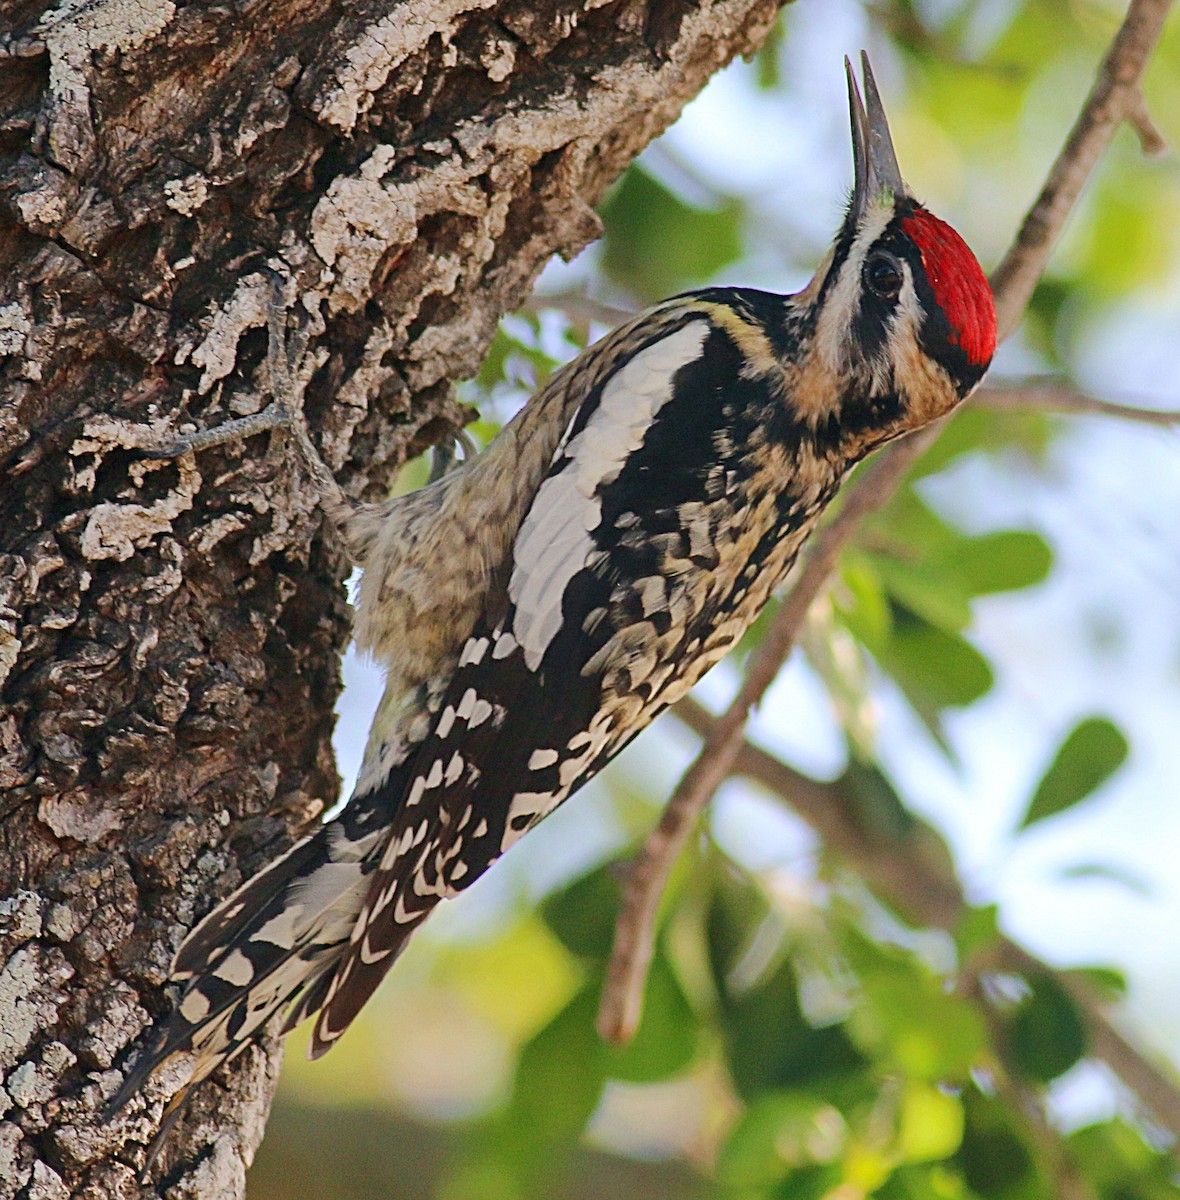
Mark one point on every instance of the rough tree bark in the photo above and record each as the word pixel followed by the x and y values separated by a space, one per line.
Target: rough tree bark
pixel 170 632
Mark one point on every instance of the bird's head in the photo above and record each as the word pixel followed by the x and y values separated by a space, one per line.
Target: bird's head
pixel 903 321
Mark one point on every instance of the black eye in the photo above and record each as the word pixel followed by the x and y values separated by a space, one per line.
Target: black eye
pixel 883 275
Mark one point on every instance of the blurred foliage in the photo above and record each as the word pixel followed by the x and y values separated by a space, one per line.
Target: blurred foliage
pixel 800 1039
pixel 1092 752
pixel 657 244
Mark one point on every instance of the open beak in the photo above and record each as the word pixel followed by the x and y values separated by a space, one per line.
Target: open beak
pixel 877 173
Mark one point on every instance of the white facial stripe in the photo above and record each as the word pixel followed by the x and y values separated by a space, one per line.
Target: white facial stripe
pixel 554 540
pixel 909 313
pixel 840 306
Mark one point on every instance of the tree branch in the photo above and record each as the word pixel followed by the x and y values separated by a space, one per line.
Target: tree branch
pixel 579 307
pixel 1151 140
pixel 909 877
pixel 1058 396
pixel 1112 99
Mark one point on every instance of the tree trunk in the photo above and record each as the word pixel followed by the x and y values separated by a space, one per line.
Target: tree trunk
pixel 170 631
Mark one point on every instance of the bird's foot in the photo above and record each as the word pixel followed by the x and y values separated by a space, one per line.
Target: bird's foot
pixel 283 414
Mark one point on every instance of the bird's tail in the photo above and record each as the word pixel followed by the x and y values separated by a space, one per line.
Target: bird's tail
pixel 275 942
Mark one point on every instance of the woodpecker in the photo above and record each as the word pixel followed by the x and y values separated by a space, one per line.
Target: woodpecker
pixel 537 607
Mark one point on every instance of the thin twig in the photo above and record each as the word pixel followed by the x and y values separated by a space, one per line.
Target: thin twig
pixel 916 884
pixel 1053 396
pixel 1151 141
pixel 579 307
pixel 1115 97
pixel 1111 100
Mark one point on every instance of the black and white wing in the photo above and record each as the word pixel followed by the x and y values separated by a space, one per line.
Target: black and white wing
pixel 612 607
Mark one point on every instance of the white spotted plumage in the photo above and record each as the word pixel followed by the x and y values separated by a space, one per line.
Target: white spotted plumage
pixel 555 540
pixel 539 606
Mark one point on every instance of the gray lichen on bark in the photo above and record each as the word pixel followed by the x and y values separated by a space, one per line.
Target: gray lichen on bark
pixel 170 631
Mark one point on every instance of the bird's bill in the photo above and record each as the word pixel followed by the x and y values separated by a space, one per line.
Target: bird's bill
pixel 877 175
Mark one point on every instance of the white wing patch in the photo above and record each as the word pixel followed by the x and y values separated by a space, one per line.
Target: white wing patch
pixel 554 540
pixel 835 319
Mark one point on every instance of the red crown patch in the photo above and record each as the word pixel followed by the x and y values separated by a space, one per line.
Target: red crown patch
pixel 958 283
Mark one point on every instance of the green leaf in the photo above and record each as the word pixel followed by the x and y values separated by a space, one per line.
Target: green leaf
pixel 656 244
pixel 1110 982
pixel 560 1075
pixel 907 1018
pixel 862 602
pixel 1088 757
pixel 978 931
pixel 930 1125
pixel 769 1043
pixel 907 527
pixel 931 592
pixel 515 359
pixel 582 915
pixel 1119 1163
pixel 994 1163
pixel 779 1132
pixel 930 1035
pixel 557 1086
pixel 995 1160
pixel 999 562
pixel 737 907
pixel 941 669
pixel 492 371
pixel 938 580
pixel 1049 304
pixel 935 669
pixel 1045 1034
pixel 810 1183
pixel 878 806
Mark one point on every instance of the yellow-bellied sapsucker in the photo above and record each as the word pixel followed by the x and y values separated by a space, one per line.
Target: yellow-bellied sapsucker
pixel 536 608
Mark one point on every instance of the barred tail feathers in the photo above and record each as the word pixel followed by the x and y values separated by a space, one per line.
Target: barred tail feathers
pixel 278 938
pixel 248 908
pixel 273 956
